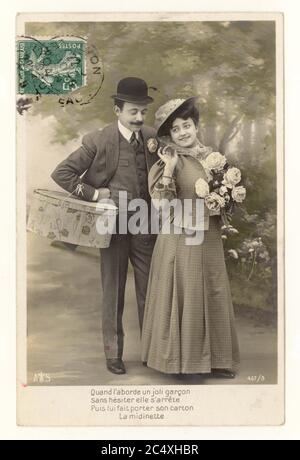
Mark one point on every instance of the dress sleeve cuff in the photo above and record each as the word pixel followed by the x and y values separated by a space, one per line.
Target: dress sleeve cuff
pixel 96 195
pixel 160 187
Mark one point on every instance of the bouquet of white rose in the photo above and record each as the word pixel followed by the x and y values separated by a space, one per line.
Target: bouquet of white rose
pixel 221 193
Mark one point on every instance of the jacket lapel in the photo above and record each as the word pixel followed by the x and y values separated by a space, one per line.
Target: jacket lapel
pixel 112 150
pixel 149 156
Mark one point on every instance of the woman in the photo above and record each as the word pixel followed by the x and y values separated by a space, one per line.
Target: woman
pixel 188 324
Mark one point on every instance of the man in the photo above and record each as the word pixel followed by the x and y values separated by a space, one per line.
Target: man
pixel 113 160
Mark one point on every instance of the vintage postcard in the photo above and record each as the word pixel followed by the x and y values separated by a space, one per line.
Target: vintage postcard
pixel 150 212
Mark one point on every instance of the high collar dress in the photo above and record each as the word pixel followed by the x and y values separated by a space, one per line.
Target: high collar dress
pixel 189 324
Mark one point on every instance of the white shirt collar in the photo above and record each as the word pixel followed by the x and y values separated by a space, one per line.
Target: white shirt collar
pixel 127 133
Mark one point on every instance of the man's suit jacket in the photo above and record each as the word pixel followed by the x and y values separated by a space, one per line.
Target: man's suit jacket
pixel 98 158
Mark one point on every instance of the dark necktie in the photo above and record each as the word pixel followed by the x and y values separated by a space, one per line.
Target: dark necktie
pixel 134 141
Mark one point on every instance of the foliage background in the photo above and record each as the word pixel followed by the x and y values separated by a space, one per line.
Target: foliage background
pixel 231 66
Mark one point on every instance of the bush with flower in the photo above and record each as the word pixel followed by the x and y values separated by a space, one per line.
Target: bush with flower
pixel 253 255
pixel 221 193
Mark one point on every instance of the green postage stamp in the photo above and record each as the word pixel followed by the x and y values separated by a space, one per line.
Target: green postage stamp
pixel 53 66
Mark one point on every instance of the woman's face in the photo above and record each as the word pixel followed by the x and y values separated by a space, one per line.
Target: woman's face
pixel 184 132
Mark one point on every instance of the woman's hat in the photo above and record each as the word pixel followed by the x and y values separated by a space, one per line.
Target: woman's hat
pixel 165 111
pixel 133 89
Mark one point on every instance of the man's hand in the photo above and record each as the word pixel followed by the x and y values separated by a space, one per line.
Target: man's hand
pixel 103 193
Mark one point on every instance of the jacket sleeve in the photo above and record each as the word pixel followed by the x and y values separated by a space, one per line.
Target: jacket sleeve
pixel 68 173
pixel 158 190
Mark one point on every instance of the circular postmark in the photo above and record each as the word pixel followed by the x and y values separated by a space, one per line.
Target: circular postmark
pixel 67 68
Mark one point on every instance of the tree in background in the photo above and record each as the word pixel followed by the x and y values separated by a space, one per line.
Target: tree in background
pixel 231 66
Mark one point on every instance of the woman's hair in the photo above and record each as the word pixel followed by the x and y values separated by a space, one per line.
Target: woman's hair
pixel 184 112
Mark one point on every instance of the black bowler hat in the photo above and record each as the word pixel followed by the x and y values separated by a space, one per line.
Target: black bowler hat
pixel 133 89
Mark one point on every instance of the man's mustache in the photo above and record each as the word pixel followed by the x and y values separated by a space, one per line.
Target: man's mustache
pixel 137 123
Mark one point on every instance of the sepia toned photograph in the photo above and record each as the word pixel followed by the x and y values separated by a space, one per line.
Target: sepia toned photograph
pixel 150 212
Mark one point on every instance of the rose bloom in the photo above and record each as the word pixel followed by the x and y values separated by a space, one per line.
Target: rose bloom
pixel 152 145
pixel 233 231
pixel 233 253
pixel 222 190
pixel 238 194
pixel 232 177
pixel 216 161
pixel 202 188
pixel 214 201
